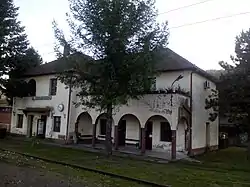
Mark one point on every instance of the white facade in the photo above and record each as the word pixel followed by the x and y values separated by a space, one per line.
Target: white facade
pixel 153 107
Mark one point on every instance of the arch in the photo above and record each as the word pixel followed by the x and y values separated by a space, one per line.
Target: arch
pixel 100 123
pixel 158 133
pixel 84 126
pixel 129 130
pixel 32 87
pixel 182 135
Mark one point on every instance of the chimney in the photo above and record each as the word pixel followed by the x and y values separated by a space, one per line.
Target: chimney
pixel 66 50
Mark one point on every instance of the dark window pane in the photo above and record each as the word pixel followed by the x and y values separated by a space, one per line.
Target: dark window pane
pixel 57 123
pixel 103 123
pixel 32 87
pixel 166 133
pixel 53 86
pixel 19 121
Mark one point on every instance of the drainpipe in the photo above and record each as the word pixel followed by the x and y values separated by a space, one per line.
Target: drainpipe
pixel 191 109
pixel 69 108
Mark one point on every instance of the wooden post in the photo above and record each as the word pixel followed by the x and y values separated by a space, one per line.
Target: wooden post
pixel 116 137
pixel 94 135
pixel 173 151
pixel 143 140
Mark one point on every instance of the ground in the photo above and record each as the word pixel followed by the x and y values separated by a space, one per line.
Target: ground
pixel 23 176
pixel 225 168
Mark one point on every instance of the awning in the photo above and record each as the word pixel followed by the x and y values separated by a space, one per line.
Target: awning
pixel 44 111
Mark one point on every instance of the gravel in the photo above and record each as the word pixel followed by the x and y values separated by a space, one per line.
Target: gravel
pixel 13 176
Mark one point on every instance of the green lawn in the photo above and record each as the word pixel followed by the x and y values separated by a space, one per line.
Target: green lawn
pixel 228 167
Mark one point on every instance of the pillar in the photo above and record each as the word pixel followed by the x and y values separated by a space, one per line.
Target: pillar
pixel 116 137
pixel 143 140
pixel 173 150
pixel 94 135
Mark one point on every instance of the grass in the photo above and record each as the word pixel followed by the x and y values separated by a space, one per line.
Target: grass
pixel 84 177
pixel 224 168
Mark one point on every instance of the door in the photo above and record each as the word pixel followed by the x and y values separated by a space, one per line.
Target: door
pixel 149 130
pixel 41 127
pixel 30 125
pixel 122 133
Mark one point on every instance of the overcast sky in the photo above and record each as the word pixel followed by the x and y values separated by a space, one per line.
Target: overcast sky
pixel 203 44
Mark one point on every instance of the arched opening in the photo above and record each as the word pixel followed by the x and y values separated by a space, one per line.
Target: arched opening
pixel 101 125
pixel 129 131
pixel 182 135
pixel 84 127
pixel 32 87
pixel 158 134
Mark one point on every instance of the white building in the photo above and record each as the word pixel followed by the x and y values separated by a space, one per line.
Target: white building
pixel 159 122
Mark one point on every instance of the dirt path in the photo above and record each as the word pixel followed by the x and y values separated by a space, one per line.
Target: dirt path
pixel 13 176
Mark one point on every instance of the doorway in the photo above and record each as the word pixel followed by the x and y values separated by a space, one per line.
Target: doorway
pixel 30 125
pixel 122 133
pixel 208 135
pixel 41 126
pixel 148 134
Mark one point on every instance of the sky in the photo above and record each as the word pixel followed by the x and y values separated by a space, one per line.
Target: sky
pixel 204 44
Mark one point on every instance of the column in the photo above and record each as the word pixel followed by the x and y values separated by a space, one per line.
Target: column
pixel 94 135
pixel 143 140
pixel 173 150
pixel 116 137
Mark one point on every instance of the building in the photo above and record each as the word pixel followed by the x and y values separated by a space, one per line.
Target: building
pixel 164 121
pixel 5 113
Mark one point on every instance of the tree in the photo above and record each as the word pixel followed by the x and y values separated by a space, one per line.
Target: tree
pixel 234 85
pixel 16 56
pixel 123 37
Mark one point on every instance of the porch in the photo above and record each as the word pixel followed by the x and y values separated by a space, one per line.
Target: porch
pixel 156 128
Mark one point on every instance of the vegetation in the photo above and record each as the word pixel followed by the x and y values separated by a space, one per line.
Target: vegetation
pixel 16 55
pixel 122 36
pixel 225 168
pixel 234 87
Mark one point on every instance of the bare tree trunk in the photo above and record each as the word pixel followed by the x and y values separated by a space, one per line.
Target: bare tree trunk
pixel 108 141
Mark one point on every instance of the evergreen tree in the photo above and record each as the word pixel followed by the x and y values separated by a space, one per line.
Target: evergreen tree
pixel 234 86
pixel 123 37
pixel 16 56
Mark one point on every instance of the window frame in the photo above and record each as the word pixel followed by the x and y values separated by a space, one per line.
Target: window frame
pixel 165 132
pixel 19 122
pixel 53 88
pixel 57 123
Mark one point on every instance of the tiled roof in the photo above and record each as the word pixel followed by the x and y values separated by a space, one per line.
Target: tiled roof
pixel 168 61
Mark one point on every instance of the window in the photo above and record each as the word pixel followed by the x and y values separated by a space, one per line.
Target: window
pixel 166 133
pixel 57 123
pixel 19 121
pixel 103 123
pixel 53 86
pixel 32 87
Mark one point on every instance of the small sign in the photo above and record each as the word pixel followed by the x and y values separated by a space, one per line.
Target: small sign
pixel 42 98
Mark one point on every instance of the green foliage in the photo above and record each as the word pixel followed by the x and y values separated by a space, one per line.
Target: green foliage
pixel 235 84
pixel 123 38
pixel 212 104
pixel 16 55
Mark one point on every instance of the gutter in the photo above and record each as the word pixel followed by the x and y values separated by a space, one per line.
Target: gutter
pixel 68 114
pixel 191 115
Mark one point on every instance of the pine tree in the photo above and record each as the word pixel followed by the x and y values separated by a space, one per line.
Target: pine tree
pixel 234 87
pixel 16 56
pixel 123 37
